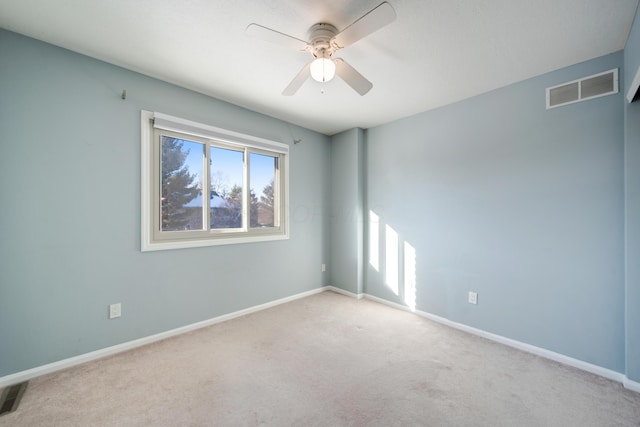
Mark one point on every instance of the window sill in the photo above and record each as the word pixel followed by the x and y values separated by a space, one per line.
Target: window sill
pixel 148 246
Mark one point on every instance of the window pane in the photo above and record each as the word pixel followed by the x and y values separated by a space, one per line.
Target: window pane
pixel 226 174
pixel 181 195
pixel 262 173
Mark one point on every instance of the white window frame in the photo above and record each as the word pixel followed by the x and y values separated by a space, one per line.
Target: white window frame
pixel 152 238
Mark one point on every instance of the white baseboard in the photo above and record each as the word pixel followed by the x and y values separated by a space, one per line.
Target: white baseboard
pixel 19 377
pixel 631 385
pixel 538 351
pixel 343 292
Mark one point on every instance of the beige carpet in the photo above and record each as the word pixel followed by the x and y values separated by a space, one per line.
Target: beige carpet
pixel 325 360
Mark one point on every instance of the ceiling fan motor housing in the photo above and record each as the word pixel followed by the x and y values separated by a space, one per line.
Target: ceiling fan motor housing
pixel 321 35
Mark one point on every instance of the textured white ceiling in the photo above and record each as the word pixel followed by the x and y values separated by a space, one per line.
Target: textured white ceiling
pixel 435 53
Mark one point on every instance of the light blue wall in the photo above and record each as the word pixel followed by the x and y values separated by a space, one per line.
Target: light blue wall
pixel 495 194
pixel 632 204
pixel 521 204
pixel 346 270
pixel 70 228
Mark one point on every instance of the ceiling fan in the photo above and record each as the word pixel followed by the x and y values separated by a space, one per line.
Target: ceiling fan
pixel 325 40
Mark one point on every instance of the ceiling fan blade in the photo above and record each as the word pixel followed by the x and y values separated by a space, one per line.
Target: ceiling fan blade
pixel 351 77
pixel 273 36
pixel 369 23
pixel 297 81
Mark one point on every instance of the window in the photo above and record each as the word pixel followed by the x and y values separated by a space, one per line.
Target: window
pixel 204 186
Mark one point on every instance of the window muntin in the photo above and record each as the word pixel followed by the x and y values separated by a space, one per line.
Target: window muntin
pixel 245 179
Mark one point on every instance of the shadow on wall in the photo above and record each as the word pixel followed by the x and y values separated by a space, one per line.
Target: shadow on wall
pixel 394 259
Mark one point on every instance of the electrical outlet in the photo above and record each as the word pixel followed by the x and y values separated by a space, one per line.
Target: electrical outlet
pixel 324 267
pixel 473 297
pixel 115 310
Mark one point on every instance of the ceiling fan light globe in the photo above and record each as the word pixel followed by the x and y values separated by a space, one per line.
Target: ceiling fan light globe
pixel 323 70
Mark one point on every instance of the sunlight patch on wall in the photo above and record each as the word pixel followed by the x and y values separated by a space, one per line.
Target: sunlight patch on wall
pixel 394 260
pixel 410 276
pixel 391 258
pixel 374 240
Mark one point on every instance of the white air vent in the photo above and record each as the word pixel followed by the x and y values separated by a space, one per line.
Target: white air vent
pixel 586 88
